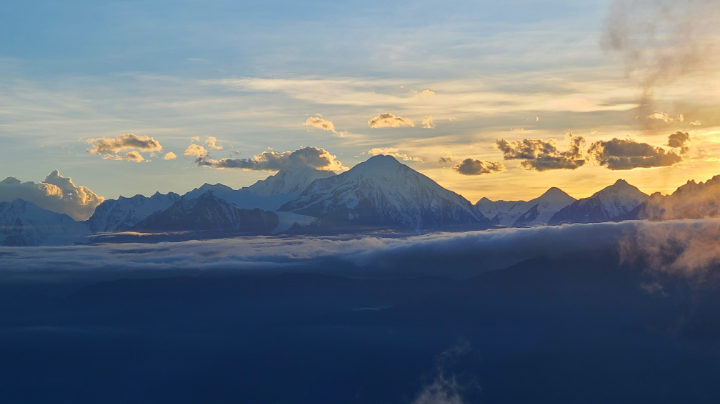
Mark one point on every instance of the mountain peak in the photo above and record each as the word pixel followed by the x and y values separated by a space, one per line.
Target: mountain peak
pixel 555 192
pixel 382 192
pixel 288 181
pixel 621 187
pixel 382 159
pixel 621 182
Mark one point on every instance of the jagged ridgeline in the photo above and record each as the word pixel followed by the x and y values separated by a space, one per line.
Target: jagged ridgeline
pixel 380 194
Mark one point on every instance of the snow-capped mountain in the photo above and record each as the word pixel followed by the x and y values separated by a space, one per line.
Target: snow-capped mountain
pixel 690 201
pixel 381 192
pixel 23 223
pixel 123 213
pixel 209 213
pixel 268 194
pixel 609 204
pixel 535 212
pixel 288 181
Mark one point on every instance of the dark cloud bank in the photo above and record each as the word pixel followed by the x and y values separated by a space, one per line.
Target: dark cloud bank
pixel 443 254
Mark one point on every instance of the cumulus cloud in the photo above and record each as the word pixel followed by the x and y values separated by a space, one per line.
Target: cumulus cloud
pixel 695 123
pixel 387 120
pixel 540 155
pixel 428 123
pixel 626 154
pixel 391 151
pixel 170 156
pixel 679 140
pixel 477 167
pixel 211 142
pixel 195 139
pixel 56 193
pixel 320 124
pixel 424 94
pixel 129 156
pixel 311 157
pixel 661 116
pixel 448 158
pixel 128 141
pixel 196 151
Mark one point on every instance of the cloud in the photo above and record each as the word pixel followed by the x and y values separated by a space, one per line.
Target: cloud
pixel 195 139
pixel 133 156
pixel 679 140
pixel 169 156
pixel 56 193
pixel 196 151
pixel 129 156
pixel 690 201
pixel 211 142
pixel 311 157
pixel 661 116
pixel 444 390
pixel 619 154
pixel 477 167
pixel 320 124
pixel 687 248
pixel 424 94
pixel 695 123
pixel 660 41
pixel 124 142
pixel 539 155
pixel 391 151
pixel 448 158
pixel 457 255
pixel 428 123
pixel 389 121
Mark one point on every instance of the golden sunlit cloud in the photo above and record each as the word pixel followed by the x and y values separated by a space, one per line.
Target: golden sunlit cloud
pixel 129 156
pixel 667 118
pixel 211 142
pixel 320 124
pixel 428 123
pixel 127 141
pixel 424 94
pixel 387 120
pixel 170 156
pixel 196 151
pixel 391 151
pixel 56 193
pixel 307 157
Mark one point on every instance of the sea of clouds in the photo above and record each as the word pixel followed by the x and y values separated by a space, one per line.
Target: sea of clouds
pixel 682 246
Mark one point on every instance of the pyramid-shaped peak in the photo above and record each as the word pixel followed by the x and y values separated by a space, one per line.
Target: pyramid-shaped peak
pixel 622 187
pixel 555 192
pixel 383 159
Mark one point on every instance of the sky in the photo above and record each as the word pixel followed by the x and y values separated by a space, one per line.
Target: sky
pixel 433 83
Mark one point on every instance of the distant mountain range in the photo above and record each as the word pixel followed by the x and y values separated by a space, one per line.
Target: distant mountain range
pixel 380 194
pixel 535 212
